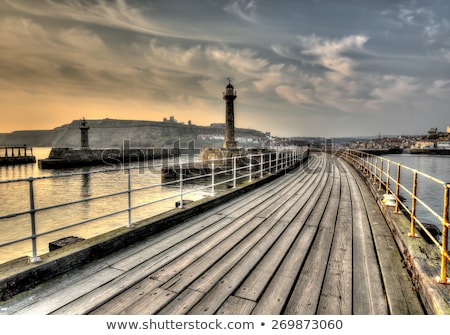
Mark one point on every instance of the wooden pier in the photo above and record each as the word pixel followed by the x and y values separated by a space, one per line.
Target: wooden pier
pixel 313 241
pixel 14 155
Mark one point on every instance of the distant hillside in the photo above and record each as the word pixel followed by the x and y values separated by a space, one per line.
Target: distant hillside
pixel 111 133
pixel 36 138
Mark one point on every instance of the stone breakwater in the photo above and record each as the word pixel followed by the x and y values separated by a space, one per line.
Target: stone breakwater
pixel 17 160
pixel 14 155
pixel 77 157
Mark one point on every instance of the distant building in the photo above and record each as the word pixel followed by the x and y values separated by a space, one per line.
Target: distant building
pixel 424 145
pixel 443 144
pixel 170 120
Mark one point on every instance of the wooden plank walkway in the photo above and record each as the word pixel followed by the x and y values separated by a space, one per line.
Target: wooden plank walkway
pixel 311 242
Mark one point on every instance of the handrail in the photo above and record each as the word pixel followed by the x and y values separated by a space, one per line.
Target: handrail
pixel 256 166
pixel 372 166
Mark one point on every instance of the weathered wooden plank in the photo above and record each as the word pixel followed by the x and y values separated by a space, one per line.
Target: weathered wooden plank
pixel 368 293
pixel 138 273
pixel 289 191
pixel 184 270
pixel 255 283
pixel 119 302
pixel 263 194
pixel 305 192
pixel 182 303
pixel 252 202
pixel 336 294
pixel 401 296
pixel 236 306
pixel 47 289
pixel 70 293
pixel 275 295
pixel 293 201
pixel 210 279
pixel 149 303
pixel 205 227
pixel 305 295
pixel 271 197
pixel 226 286
pixel 278 290
pixel 231 258
pixel 400 293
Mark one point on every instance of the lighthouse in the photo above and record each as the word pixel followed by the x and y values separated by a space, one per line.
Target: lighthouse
pixel 84 128
pixel 229 95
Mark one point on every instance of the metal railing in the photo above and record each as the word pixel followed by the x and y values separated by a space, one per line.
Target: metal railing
pixel 222 173
pixel 392 178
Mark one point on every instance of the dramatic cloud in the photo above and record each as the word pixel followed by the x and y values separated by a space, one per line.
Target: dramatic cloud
pixel 242 8
pixel 322 68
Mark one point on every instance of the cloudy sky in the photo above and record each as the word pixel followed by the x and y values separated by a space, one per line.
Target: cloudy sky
pixel 300 68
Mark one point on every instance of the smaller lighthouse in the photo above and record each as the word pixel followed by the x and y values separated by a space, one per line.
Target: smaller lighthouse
pixel 84 134
pixel 229 95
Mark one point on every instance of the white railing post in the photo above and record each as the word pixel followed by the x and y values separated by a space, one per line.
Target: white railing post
pixel 261 166
pixel 129 197
pixel 270 162
pixel 35 258
pixel 285 162
pixel 250 168
pixel 276 161
pixel 181 185
pixel 234 171
pixel 212 178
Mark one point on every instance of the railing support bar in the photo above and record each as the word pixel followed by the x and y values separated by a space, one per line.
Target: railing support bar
pixel 412 232
pixel 397 190
pixel 261 165
pixel 250 168
pixel 129 197
pixel 181 186
pixel 34 258
pixel 212 179
pixel 380 184
pixel 388 174
pixel 234 172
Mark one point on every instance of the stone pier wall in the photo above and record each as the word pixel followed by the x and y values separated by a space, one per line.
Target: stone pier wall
pixel 70 157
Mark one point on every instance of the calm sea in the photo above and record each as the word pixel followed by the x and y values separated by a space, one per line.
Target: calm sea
pixel 14 197
pixel 432 193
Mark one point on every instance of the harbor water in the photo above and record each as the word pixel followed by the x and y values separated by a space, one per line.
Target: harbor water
pixel 80 183
pixel 431 192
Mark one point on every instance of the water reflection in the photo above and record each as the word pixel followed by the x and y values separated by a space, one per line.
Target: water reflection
pixel 84 194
